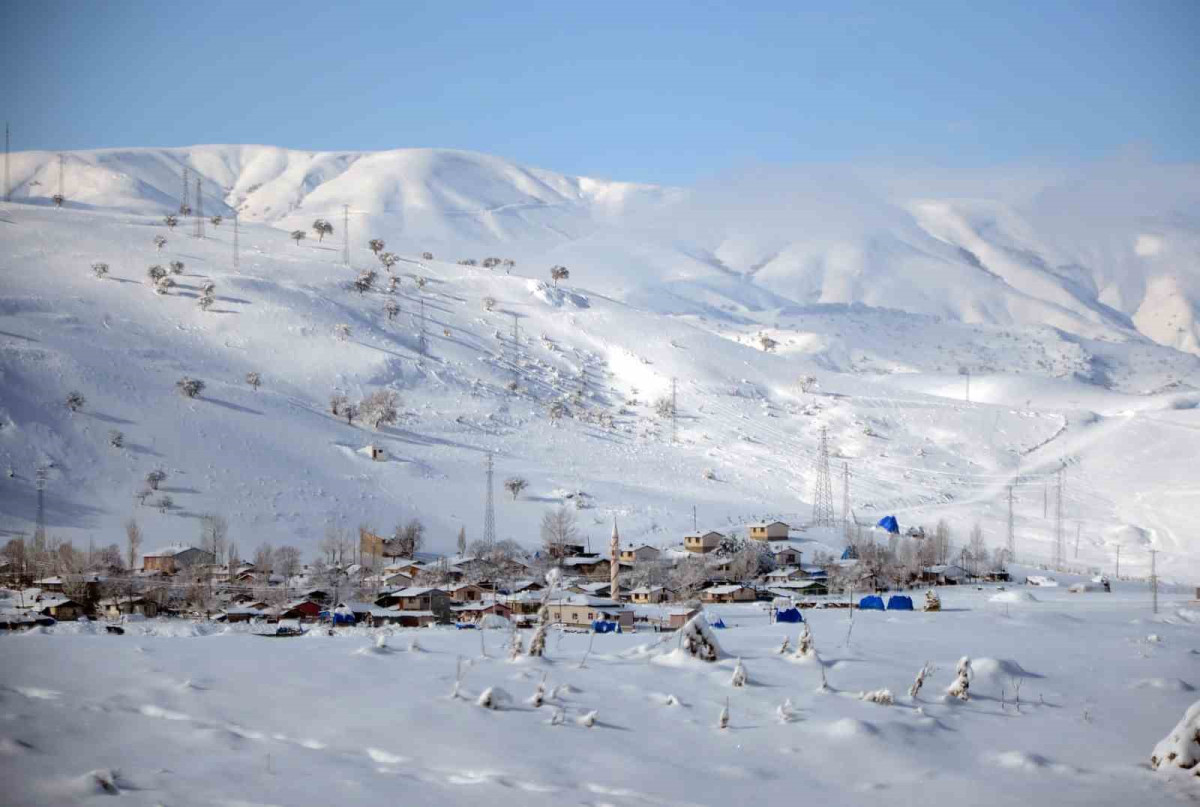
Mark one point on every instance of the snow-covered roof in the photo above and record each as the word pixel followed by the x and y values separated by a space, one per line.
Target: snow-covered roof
pixel 724 589
pixel 583 561
pixel 647 589
pixel 588 600
pixel 764 524
pixel 414 591
pixel 48 581
pixel 169 551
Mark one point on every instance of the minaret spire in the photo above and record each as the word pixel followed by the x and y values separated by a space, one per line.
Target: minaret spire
pixel 614 587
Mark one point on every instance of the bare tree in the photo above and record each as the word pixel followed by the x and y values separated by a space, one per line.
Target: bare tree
pixel 189 387
pixel 170 221
pixel 514 485
pixel 558 530
pixel 365 280
pixel 322 228
pixel 389 259
pixel 254 379
pixel 133 543
pixel 409 538
pixel 214 533
pixel 176 267
pixel 391 308
pixel 558 273
pixel 298 236
pixel 100 269
pixel 75 401
pixel 462 541
pixel 350 411
pixel 264 558
pixel 287 563
pixel 160 241
pixel 156 478
pixel 336 402
pixel 376 245
pixel 216 221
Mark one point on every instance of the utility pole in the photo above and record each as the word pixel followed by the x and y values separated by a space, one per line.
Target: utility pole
pixel 846 499
pixel 236 260
pixel 695 528
pixel 489 512
pixel 1154 578
pixel 346 235
pixel 1011 546
pixel 1059 545
pixel 422 343
pixel 199 211
pixel 516 346
pixel 39 530
pixel 1118 561
pixel 673 401
pixel 823 487
pixel 7 175
pixel 1078 526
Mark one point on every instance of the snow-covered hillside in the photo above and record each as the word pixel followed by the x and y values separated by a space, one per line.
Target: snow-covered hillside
pixel 1071 342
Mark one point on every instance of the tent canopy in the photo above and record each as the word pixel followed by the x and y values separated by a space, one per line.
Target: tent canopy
pixel 871 603
pixel 889 523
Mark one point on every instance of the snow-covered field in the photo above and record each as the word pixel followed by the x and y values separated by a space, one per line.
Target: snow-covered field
pixel 184 714
pixel 1058 330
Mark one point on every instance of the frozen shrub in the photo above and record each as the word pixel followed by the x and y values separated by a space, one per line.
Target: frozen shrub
pixel 389 259
pixel 163 285
pixel 176 267
pixel 881 696
pixel 116 438
pixel 156 478
pixel 427 256
pixel 298 236
pixel 170 221
pixel 962 680
pixel 493 698
pixel 738 679
pixel 918 682
pixel 75 401
pixel 156 273
pixel 100 269
pixel 785 711
pixel 159 242
pixel 391 308
pixel 588 719
pixel 489 303
pixel 216 221
pixel 932 601
pixel 723 718
pixel 804 644
pixel 537 645
pixel 206 301
pixel 783 648
pixel 365 280
pixel 254 379
pixel 375 245
pixel 1180 748
pixel 208 287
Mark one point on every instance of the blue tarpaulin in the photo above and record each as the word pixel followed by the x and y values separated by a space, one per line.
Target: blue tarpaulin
pixel 871 603
pixel 889 523
pixel 788 615
pixel 340 617
pixel 716 622
pixel 850 553
pixel 899 602
pixel 604 626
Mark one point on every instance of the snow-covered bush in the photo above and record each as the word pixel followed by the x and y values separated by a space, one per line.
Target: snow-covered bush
pixel 176 267
pixel 783 648
pixel 365 280
pixel 380 407
pixel 918 682
pixel 216 221
pixel 805 649
pixel 100 269
pixel 698 639
pixel 75 401
pixel 785 711
pixel 253 379
pixel 389 259
pixel 156 273
pixel 170 221
pixel 587 719
pixel 962 681
pixel 189 387
pixel 932 601
pixel 489 303
pixel 493 698
pixel 156 478
pixel 206 301
pixel 375 245
pixel 537 645
pixel 427 256
pixel 163 285
pixel 341 332
pixel 738 679
pixel 516 647
pixel 116 438
pixel 723 718
pixel 391 308
pixel 881 696
pixel 298 236
pixel 160 241
pixel 1180 748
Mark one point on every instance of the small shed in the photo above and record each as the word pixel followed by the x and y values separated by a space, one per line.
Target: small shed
pixel 373 452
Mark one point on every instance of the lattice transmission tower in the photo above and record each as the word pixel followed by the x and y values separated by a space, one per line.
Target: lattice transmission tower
pixel 199 211
pixel 489 512
pixel 823 488
pixel 184 207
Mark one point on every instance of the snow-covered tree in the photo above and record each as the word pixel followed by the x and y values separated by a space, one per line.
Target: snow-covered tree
pixel 389 259
pixel 100 270
pixel 170 221
pixel 489 303
pixel 409 538
pixel 558 273
pixel 723 718
pixel 336 403
pixel 514 485
pixel 156 273
pixel 698 639
pixel 664 407
pixel 298 236
pixel 391 308
pixel 537 645
pixel 176 267
pixel 427 256
pixel 932 601
pixel 365 280
pixel 962 681
pixel 322 228
pixel 164 503
pixel 805 649
pixel 587 719
pixel 918 682
pixel 1180 748
pixel 163 285
pixel 883 697
pixel 75 401
pixel 216 221
pixel 490 263
pixel 768 344
pixel 58 199
pixel 254 379
pixel 116 438
pixel 380 407
pixel 156 478
pixel 206 301
pixel 808 383
pixel 189 387
pixel 375 245
pixel 159 242
pixel 557 411
pixel 421 281
pixel 785 647
pixel 341 331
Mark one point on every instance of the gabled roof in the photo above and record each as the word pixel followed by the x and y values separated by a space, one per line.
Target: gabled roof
pixel 583 561
pixel 725 589
pixel 415 591
pixel 171 551
pixel 588 600
pixel 765 524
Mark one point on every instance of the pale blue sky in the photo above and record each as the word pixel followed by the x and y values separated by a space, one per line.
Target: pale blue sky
pixel 649 91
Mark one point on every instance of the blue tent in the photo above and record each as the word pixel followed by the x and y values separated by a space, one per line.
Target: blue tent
pixel 889 523
pixel 604 626
pixel 788 615
pixel 341 616
pixel 899 602
pixel 871 603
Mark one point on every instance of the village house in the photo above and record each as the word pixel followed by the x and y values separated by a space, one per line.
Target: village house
pixel 50 584
pixel 172 559
pixel 799 588
pixel 475 611
pixel 114 607
pixel 732 592
pixel 581 610
pixel 702 542
pixel 597 589
pixel 678 617
pixel 768 531
pixel 649 595
pixel 590 566
pixel 421 606
pixel 238 613
pixel 61 608
pixel 785 553
pixel 943 574
pixel 638 554
pixel 464 592
pixel 373 452
pixel 303 610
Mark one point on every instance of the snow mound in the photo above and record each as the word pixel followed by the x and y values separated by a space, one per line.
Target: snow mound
pixel 1021 760
pixel 1042 581
pixel 849 728
pixel 1013 596
pixel 1180 748
pixel 999 669
pixel 556 297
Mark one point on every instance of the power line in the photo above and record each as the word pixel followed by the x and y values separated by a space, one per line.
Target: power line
pixel 823 488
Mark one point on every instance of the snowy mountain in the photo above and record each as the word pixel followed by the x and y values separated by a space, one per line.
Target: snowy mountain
pixel 1078 330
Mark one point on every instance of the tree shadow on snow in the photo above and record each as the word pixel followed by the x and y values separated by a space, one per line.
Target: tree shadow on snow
pixel 19 336
pixel 137 448
pixel 109 418
pixel 233 406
